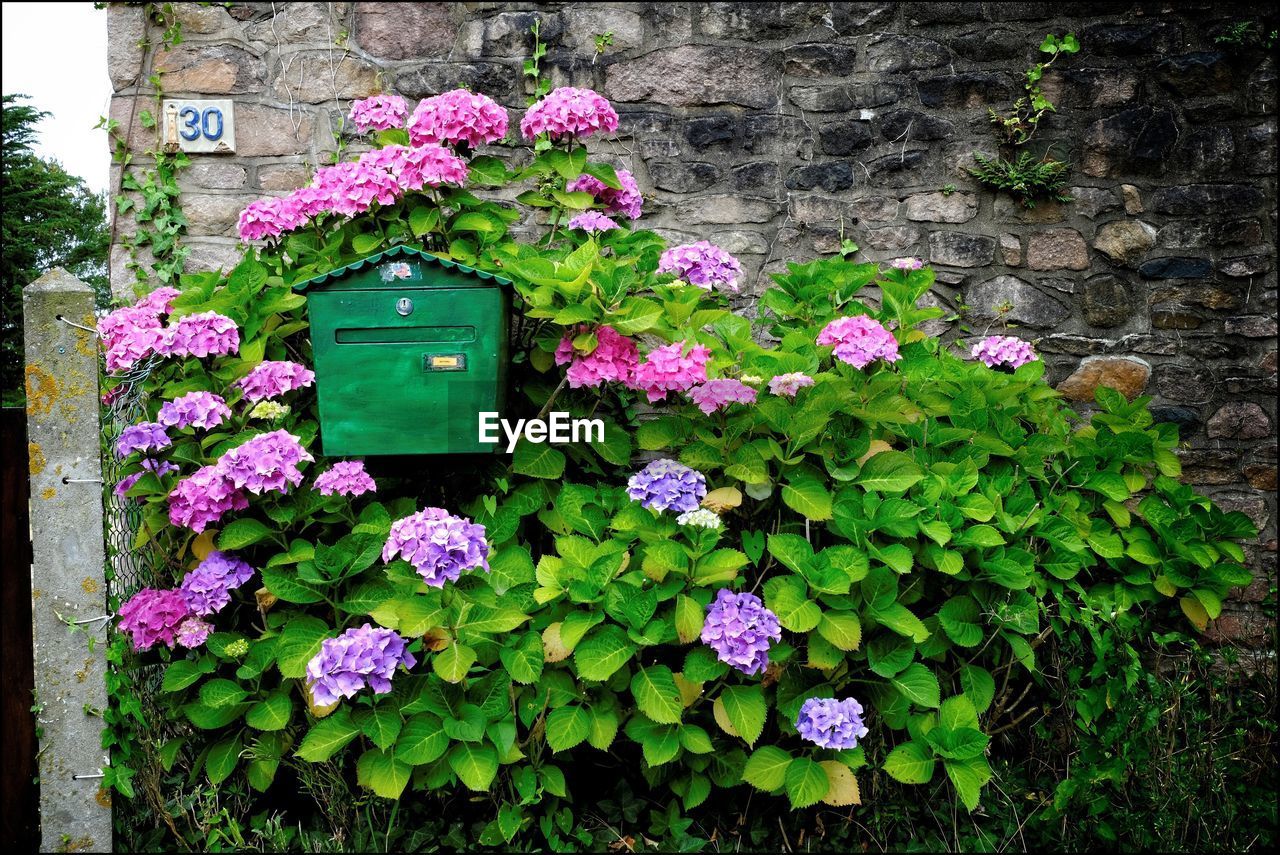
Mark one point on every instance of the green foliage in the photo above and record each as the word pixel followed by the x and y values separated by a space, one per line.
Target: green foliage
pixel 918 528
pixel 1020 124
pixel 51 219
pixel 1248 35
pixel 1027 177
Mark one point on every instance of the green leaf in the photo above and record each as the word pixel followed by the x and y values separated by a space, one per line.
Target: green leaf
pixel 422 740
pixel 808 497
pixel 241 533
pixel 284 583
pixel 537 460
pixel 382 773
pixel 598 656
pixel 299 641
pixel 365 244
pixel 656 694
pixel 901 620
pixel 453 663
pixel 604 727
pixel 221 693
pixel 979 686
pixel 381 724
pixel 746 708
pixel 766 768
pixel 919 685
pixel 327 736
pixel 806 782
pixel 910 763
pixel 719 567
pixel 273 713
pixel 223 758
pixel 787 597
pixel 567 726
pixel 475 765
pixel 185 672
pixel 889 472
pixel 959 619
pixel 524 659
pixel 968 777
pixel 843 630
pixel 690 618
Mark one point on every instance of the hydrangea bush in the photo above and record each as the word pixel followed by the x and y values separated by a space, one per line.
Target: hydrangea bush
pixel 784 565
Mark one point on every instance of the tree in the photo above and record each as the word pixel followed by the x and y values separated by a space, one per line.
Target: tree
pixel 51 219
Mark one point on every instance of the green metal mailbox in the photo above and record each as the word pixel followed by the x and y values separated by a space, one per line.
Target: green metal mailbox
pixel 409 349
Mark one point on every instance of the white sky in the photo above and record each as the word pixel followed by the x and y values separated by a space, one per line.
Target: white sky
pixel 57 54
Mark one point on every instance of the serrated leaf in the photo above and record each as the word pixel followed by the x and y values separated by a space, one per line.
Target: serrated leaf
pixel 889 472
pixel 910 763
pixel 382 773
pixel 272 713
pixel 806 782
pixel 656 694
pixel 476 765
pixel 223 758
pixel 567 726
pixel 766 768
pixel 919 685
pixel 326 737
pixel 842 785
pixel 842 629
pixel 422 740
pixel 746 710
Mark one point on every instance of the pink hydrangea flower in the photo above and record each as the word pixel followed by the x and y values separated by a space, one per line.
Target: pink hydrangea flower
pixel 719 394
pixel 568 111
pixel 269 218
pixel 193 632
pixel 414 168
pixel 907 263
pixel 859 341
pixel 703 264
pixel 1007 350
pixel 205 334
pixel 202 498
pixel 129 335
pixel 614 359
pixel 159 301
pixel 378 113
pixel 787 385
pixel 458 117
pixel 626 201
pixel 268 462
pixel 152 617
pixel 669 369
pixel 592 221
pixel 272 379
pixel 307 202
pixel 195 409
pixel 353 188
pixel 347 478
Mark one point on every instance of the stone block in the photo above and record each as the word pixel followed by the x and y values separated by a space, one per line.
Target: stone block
pixel 819 60
pixel 406 30
pixel 942 207
pixel 497 80
pixel 319 76
pixel 830 177
pixel 757 21
pixel 697 75
pixel 219 69
pixel 214 175
pixel 1057 249
pixel 1239 420
pixel 975 90
pixel 263 131
pixel 1138 140
pixel 1107 302
pixel 126 28
pixel 957 249
pixel 1125 241
pixel 214 213
pixel 682 177
pixel 1015 300
pixel 1128 375
pixel 726 210
pixel 891 53
pixel 1195 199
pixel 1175 267
pixel 902 125
pixel 845 137
pixel 278 177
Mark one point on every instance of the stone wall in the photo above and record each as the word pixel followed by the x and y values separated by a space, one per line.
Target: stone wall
pixel 773 129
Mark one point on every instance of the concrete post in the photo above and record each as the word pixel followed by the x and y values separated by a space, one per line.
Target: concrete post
pixel 67 561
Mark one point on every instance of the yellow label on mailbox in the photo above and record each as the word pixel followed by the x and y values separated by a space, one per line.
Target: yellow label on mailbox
pixel 445 362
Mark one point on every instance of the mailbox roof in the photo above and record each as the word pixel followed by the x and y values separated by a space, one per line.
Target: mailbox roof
pixel 393 252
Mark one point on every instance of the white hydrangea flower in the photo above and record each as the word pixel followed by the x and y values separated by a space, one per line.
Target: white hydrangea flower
pixel 702 518
pixel 269 410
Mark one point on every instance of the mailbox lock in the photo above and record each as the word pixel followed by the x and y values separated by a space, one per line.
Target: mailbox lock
pixel 404 306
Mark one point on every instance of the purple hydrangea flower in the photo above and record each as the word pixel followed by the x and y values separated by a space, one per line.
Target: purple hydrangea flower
pixel 719 394
pixel 831 723
pixel 592 221
pixel 787 385
pixel 160 467
pixel 205 334
pixel 146 436
pixel 152 616
pixel 207 588
pixel 703 264
pixel 859 341
pixel 347 478
pixel 193 632
pixel 440 546
pixel 738 628
pixel 195 409
pixel 203 497
pixel 1007 350
pixel 361 656
pixel 272 379
pixel 626 201
pixel 269 461
pixel 667 485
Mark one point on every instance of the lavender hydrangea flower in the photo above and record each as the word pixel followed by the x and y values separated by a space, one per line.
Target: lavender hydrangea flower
pixel 347 478
pixel 193 632
pixel 830 723
pixel 207 588
pixel 719 394
pixel 269 461
pixel 361 656
pixel 996 350
pixel 738 628
pixel 908 263
pixel 703 264
pixel 667 485
pixel 440 546
pixel 146 436
pixel 592 221
pixel 195 409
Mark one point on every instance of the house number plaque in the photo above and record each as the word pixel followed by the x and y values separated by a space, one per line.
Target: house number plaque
pixel 201 127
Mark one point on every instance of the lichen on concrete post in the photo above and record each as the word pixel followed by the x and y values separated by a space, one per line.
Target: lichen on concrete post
pixel 67 582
